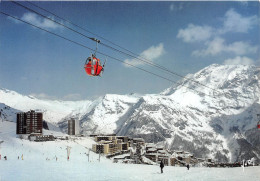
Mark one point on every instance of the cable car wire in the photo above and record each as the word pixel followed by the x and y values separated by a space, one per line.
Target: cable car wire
pixel 134 55
pixel 29 9
pixel 84 29
pixel 159 66
pixel 72 41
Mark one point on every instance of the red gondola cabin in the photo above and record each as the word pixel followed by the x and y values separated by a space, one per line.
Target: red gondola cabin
pixel 93 66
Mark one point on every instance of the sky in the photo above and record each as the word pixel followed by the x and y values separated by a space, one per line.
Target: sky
pixel 183 37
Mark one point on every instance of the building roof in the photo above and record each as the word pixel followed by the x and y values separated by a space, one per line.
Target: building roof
pixel 162 151
pixel 138 139
pixel 152 149
pixel 150 145
pixel 160 147
pixel 31 111
pixel 104 142
pixel 151 154
pixel 179 151
pixel 122 136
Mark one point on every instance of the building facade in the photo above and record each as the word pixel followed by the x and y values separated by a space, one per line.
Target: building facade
pixel 40 138
pixel 29 122
pixel 104 148
pixel 108 145
pixel 73 127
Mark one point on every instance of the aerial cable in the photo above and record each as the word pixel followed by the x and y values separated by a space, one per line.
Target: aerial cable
pixel 84 46
pixel 135 56
pixel 29 9
pixel 94 39
pixel 72 41
pixel 158 66
pixel 84 29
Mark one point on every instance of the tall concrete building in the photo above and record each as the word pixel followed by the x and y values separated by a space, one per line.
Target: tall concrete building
pixel 29 122
pixel 73 127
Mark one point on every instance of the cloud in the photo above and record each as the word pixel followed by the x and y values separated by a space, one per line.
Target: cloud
pixel 43 96
pixel 72 97
pixel 69 97
pixel 37 20
pixel 241 48
pixel 175 7
pixel 243 2
pixel 41 22
pixel 150 54
pixel 172 7
pixel 14 20
pixel 239 61
pixel 24 78
pixel 234 22
pixel 214 47
pixel 218 45
pixel 195 33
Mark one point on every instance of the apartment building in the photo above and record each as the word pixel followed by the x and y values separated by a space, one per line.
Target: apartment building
pixel 29 122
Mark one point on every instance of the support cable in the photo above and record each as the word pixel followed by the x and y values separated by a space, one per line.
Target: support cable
pixel 72 41
pixel 134 55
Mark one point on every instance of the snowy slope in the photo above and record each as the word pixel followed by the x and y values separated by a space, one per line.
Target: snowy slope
pixel 232 114
pixel 200 122
pixel 103 115
pixel 53 111
pixel 7 113
pixel 39 163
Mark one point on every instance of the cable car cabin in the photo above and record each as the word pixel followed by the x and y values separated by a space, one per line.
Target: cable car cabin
pixel 93 66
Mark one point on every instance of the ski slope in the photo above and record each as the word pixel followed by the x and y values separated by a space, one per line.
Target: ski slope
pixel 30 170
pixel 39 163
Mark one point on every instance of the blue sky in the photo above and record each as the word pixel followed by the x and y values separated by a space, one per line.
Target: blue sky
pixel 182 36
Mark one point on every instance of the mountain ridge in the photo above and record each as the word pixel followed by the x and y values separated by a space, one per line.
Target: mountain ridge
pixel 217 122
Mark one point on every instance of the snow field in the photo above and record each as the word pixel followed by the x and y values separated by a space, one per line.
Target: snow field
pixel 40 163
pixel 105 170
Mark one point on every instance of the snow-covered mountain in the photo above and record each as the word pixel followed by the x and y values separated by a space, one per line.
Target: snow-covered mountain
pixel 53 111
pixel 217 120
pixel 104 114
pixel 7 113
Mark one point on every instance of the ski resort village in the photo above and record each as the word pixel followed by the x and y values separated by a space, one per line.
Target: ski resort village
pixel 122 149
pixel 30 125
pixel 129 90
pixel 112 138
